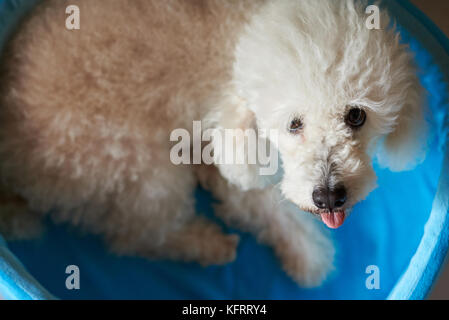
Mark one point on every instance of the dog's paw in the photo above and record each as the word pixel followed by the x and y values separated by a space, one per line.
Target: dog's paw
pixel 201 241
pixel 219 251
pixel 308 257
pixel 309 268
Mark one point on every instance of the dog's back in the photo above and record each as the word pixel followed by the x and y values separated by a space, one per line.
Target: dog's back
pixel 107 95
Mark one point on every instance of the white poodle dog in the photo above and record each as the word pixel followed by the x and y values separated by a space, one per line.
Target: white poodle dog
pixel 86 117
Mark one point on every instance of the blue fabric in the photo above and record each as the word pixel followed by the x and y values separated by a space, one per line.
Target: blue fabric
pixel 406 239
pixel 15 281
pixel 424 266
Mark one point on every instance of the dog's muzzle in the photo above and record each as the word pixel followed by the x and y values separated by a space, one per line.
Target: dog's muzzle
pixel 330 202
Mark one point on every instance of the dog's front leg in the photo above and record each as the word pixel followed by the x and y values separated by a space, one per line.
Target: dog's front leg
pixel 305 250
pixel 156 219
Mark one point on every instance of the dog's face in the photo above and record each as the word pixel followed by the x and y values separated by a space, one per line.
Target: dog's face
pixel 326 163
pixel 335 91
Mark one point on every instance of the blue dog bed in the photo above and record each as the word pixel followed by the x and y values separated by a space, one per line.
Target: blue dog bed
pixel 401 229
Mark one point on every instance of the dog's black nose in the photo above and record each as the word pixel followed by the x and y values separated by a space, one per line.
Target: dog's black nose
pixel 330 199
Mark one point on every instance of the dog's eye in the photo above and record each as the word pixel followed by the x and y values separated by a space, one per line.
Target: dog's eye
pixel 356 118
pixel 295 125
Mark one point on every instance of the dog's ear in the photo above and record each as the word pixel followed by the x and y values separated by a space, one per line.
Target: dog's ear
pixel 405 146
pixel 235 141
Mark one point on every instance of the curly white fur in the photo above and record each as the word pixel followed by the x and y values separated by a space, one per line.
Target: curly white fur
pixel 86 117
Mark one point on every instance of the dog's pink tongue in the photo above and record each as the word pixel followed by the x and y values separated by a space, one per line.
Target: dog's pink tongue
pixel 333 220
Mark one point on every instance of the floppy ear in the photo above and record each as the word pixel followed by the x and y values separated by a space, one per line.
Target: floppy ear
pixel 405 146
pixel 238 160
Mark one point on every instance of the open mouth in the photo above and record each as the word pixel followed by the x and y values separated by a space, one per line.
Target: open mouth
pixel 334 219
